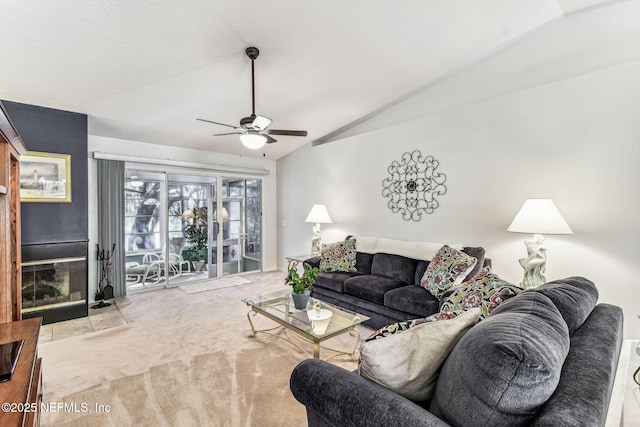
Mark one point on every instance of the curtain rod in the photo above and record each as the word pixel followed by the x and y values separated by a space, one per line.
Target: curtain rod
pixel 180 163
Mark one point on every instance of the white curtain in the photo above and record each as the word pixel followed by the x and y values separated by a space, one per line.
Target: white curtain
pixel 111 219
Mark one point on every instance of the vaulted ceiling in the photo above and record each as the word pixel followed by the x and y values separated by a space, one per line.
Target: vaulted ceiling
pixel 145 70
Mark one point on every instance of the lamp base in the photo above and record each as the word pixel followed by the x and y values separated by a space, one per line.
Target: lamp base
pixel 315 242
pixel 534 264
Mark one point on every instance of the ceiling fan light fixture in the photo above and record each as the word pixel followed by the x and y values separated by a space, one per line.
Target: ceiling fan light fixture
pixel 253 140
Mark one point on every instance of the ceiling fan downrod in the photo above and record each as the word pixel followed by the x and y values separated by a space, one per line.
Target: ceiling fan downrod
pixel 252 53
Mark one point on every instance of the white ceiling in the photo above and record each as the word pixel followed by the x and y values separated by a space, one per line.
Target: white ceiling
pixel 145 70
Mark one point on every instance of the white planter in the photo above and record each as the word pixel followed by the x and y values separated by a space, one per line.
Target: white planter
pixel 320 319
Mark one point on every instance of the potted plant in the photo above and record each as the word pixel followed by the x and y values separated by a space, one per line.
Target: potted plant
pixel 301 285
pixel 196 234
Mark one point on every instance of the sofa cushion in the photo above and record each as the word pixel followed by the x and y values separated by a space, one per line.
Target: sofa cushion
pixel 371 287
pixel 409 363
pixel 505 368
pixel 448 268
pixel 574 297
pixel 412 299
pixel 338 256
pixel 421 267
pixel 363 262
pixel 486 291
pixel 394 266
pixel 333 280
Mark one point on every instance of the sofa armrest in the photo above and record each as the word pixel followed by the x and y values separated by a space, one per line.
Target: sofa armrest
pixel 313 261
pixel 342 398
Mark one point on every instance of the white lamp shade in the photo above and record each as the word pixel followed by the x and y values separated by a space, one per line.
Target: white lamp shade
pixel 253 140
pixel 318 215
pixel 539 216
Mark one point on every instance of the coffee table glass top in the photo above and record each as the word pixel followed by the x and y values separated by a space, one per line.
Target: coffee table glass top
pixel 278 305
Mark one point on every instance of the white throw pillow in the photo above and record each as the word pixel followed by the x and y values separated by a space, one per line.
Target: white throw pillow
pixel 409 363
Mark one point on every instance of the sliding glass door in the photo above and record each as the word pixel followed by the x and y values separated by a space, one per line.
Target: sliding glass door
pixel 182 227
pixel 237 236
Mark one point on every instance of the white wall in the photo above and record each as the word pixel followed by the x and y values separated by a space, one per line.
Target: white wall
pixel 574 139
pixel 141 149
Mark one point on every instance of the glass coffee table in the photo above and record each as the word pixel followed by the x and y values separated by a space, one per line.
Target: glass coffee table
pixel 278 306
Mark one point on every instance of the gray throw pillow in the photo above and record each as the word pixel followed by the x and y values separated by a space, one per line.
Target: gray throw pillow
pixel 574 297
pixel 505 368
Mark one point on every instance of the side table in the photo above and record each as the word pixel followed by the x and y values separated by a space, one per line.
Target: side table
pixel 293 261
pixel 624 406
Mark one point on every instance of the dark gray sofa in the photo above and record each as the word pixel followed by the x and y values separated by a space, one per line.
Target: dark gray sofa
pixel 386 286
pixel 546 357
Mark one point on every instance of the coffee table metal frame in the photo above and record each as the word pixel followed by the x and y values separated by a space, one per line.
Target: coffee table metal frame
pixel 278 306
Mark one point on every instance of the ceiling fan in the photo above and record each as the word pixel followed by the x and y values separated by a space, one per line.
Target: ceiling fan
pixel 253 130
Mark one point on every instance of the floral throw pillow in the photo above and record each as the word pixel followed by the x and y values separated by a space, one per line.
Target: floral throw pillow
pixel 486 292
pixel 448 268
pixel 339 256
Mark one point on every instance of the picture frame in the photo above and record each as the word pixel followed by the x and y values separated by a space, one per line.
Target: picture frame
pixel 45 177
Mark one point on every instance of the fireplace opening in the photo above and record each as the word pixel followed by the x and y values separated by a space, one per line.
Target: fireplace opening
pixel 53 283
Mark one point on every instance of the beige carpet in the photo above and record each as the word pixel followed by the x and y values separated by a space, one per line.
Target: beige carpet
pixel 180 360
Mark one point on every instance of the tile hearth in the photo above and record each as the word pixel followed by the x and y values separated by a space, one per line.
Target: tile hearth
pixel 98 320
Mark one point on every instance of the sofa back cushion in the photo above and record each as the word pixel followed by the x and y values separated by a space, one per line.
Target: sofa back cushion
pixel 394 266
pixel 421 267
pixel 574 297
pixel 363 262
pixel 505 368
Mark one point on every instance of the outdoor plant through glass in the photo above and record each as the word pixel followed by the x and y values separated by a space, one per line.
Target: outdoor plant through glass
pixel 300 283
pixel 196 232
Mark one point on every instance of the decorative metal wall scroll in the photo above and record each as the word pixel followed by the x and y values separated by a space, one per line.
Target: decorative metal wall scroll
pixel 414 185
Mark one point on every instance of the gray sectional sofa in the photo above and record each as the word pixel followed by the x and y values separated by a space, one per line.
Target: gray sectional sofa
pixel 386 286
pixel 546 357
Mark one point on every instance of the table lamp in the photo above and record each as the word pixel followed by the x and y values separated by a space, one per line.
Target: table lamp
pixel 318 215
pixel 537 217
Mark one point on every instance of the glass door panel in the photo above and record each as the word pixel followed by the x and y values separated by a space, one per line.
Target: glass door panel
pixel 144 227
pixel 188 227
pixel 233 235
pixel 214 234
pixel 241 225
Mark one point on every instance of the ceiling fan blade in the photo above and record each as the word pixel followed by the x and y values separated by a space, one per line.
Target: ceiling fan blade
pixel 287 132
pixel 270 140
pixel 218 123
pixel 228 133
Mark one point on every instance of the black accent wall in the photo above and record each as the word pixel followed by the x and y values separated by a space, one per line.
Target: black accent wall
pixel 55 131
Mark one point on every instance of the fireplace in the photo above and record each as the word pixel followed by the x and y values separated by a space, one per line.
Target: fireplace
pixel 54 281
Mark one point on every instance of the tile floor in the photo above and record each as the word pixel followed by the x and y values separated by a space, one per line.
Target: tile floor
pixel 98 319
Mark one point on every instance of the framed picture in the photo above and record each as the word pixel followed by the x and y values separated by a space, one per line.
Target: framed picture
pixel 45 177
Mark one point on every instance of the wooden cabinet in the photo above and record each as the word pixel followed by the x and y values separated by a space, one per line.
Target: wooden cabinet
pixel 11 147
pixel 22 394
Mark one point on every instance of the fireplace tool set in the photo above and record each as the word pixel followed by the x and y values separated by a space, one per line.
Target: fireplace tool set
pixel 105 267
